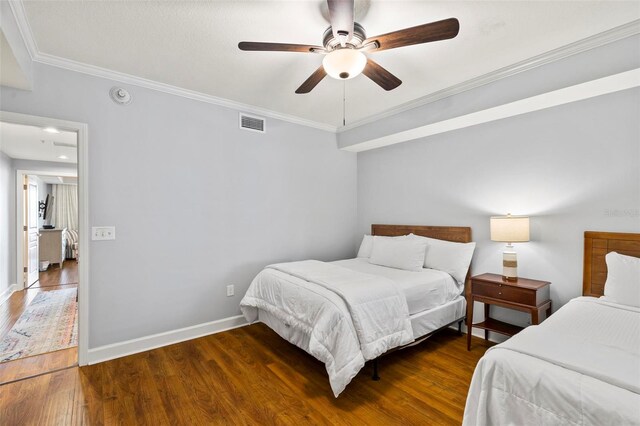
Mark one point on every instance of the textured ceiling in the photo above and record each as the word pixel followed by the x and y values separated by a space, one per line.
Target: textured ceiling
pixel 193 45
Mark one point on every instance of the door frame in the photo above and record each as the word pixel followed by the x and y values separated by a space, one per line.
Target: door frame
pixel 81 130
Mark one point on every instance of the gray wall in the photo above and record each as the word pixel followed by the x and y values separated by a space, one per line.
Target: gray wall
pixel 198 204
pixel 7 205
pixel 572 168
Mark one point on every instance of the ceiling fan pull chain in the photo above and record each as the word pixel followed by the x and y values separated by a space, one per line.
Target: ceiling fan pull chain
pixel 344 102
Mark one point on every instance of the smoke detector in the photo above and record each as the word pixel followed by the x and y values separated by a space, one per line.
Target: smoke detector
pixel 120 95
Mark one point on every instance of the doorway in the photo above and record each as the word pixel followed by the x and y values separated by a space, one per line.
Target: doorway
pixel 50 249
pixel 50 227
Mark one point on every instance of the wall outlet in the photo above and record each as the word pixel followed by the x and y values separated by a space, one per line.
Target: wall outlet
pixel 230 290
pixel 99 233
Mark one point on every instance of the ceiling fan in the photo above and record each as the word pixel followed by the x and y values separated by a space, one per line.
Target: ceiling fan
pixel 345 43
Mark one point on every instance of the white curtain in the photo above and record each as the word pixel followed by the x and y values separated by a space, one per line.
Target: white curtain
pixel 65 207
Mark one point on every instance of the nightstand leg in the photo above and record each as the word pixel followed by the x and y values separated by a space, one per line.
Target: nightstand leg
pixel 535 317
pixel 487 310
pixel 469 322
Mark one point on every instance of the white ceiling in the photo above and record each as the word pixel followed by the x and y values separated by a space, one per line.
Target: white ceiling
pixel 59 180
pixel 193 45
pixel 33 143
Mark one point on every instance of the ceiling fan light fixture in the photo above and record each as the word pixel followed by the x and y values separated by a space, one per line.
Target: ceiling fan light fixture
pixel 344 64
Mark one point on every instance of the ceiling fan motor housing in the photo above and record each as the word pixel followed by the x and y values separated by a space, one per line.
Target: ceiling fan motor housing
pixel 331 43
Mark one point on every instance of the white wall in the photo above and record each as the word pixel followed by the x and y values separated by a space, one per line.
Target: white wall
pixel 573 168
pixel 7 204
pixel 198 204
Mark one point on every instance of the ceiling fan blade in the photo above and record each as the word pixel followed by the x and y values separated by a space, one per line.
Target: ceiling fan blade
pixel 341 17
pixel 434 31
pixel 381 76
pixel 312 81
pixel 279 47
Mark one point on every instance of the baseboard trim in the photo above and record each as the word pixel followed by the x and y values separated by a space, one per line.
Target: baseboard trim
pixel 5 295
pixel 146 343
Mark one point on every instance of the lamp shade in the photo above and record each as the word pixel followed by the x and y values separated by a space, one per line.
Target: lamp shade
pixel 510 229
pixel 344 64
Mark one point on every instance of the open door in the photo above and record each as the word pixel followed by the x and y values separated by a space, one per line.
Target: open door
pixel 32 232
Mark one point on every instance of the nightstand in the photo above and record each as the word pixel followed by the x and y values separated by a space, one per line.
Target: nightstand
pixel 525 295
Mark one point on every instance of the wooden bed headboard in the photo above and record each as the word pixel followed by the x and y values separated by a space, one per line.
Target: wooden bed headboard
pixel 458 234
pixel 596 247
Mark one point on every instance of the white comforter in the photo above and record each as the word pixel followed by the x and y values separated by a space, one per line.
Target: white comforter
pixel 350 317
pixel 581 366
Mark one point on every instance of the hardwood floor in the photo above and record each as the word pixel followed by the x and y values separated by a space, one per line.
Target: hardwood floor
pixel 38 364
pixel 52 279
pixel 55 276
pixel 248 376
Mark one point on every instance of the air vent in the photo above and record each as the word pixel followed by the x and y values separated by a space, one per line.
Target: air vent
pixel 251 123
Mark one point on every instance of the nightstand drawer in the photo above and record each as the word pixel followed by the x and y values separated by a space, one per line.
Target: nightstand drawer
pixel 505 292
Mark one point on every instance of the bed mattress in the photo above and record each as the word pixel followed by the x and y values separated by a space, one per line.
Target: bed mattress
pixel 580 366
pixel 424 290
pixel 422 323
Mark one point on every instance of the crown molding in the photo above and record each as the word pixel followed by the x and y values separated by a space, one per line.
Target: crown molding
pixel 174 90
pixel 20 15
pixel 618 33
pixel 597 40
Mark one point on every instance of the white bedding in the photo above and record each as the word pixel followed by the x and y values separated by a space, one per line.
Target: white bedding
pixel 349 316
pixel 423 290
pixel 580 366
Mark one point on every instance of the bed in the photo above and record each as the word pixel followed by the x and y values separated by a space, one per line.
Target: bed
pixel 580 366
pixel 345 328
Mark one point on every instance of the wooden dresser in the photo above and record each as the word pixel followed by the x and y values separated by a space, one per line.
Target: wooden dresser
pixel 51 246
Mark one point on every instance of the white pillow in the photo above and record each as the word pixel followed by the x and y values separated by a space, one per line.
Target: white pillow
pixel 400 253
pixel 450 257
pixel 623 279
pixel 367 245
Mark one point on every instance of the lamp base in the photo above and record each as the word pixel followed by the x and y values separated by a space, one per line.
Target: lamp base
pixel 509 264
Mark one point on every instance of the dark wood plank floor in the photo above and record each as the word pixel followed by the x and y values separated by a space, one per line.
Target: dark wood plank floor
pixel 248 376
pixel 53 279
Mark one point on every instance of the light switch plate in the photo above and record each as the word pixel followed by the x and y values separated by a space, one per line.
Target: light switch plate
pixel 100 233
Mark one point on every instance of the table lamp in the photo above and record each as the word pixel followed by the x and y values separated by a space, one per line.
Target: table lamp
pixel 509 229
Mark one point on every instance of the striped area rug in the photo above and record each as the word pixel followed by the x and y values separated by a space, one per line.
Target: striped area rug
pixel 48 324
